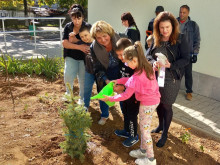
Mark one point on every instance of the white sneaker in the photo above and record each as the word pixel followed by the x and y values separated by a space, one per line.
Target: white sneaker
pixel 80 102
pixel 137 154
pixel 145 161
pixel 102 121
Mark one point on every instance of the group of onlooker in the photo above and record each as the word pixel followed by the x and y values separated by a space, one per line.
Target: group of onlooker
pixel 97 54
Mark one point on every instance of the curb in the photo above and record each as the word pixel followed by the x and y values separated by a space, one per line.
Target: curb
pixel 208 134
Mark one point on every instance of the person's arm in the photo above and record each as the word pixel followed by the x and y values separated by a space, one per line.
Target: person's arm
pixel 68 45
pixel 98 69
pixel 123 96
pixel 134 35
pixel 122 80
pixel 120 97
pixel 122 35
pixel 196 39
pixel 73 38
pixel 184 51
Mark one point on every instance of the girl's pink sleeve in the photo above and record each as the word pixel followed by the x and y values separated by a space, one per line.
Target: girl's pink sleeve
pixel 123 96
pixel 122 80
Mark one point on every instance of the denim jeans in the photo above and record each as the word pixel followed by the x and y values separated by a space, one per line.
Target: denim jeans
pixel 188 78
pixel 89 81
pixel 104 108
pixel 72 69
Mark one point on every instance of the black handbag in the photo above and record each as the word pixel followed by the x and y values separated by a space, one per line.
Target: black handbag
pixel 99 81
pixel 89 63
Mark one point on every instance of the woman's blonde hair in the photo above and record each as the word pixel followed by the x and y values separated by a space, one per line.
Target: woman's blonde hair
pixel 102 27
pixel 136 50
pixel 166 16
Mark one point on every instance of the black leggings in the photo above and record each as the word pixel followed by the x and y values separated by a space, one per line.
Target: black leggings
pixel 165 115
pixel 130 109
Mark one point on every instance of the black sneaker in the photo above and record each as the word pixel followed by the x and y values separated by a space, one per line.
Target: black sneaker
pixel 130 141
pixel 122 133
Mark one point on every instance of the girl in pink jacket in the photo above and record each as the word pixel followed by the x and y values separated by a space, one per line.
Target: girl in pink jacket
pixel 144 84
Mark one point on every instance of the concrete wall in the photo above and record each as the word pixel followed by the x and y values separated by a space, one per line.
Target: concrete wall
pixel 203 12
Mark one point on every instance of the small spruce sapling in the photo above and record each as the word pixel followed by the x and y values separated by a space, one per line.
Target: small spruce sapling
pixel 76 123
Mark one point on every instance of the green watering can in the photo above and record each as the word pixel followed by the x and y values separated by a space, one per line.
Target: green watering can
pixel 108 91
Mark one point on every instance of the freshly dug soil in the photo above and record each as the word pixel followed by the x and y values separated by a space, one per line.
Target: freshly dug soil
pixel 31 134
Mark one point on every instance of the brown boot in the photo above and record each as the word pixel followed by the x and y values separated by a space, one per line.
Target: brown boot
pixel 189 96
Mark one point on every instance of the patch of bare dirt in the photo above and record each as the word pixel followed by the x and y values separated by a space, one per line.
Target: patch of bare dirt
pixel 31 135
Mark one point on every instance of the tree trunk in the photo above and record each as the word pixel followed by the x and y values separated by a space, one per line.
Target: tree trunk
pixel 25 8
pixel 25 12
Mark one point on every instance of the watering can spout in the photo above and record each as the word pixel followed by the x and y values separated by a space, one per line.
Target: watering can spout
pixel 108 91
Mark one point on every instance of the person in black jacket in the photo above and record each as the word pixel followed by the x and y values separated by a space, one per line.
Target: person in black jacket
pixel 74 53
pixel 105 60
pixel 132 31
pixel 169 41
pixel 191 29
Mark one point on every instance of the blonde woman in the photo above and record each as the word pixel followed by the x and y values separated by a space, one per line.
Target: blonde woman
pixel 106 62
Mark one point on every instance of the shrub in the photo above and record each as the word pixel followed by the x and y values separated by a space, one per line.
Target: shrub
pixel 51 68
pixel 185 137
pixel 76 121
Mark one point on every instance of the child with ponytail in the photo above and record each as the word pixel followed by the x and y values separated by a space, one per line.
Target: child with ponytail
pixel 144 85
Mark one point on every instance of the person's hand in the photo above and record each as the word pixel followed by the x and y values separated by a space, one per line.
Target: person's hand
pixel 194 58
pixel 72 34
pixel 106 98
pixel 156 66
pixel 167 64
pixel 118 88
pixel 84 48
pixel 72 37
pixel 159 64
pixel 107 81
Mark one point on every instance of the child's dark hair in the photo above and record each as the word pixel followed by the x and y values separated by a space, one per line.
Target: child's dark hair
pixel 123 43
pixel 76 11
pixel 136 50
pixel 86 27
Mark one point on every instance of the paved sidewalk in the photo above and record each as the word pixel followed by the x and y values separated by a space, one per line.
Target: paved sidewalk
pixel 18 46
pixel 201 113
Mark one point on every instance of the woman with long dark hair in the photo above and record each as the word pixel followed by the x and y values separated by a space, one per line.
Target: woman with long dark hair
pixel 168 41
pixel 132 31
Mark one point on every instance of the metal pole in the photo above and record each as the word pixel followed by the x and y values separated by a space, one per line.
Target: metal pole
pixel 60 32
pixel 61 20
pixel 35 42
pixel 3 26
